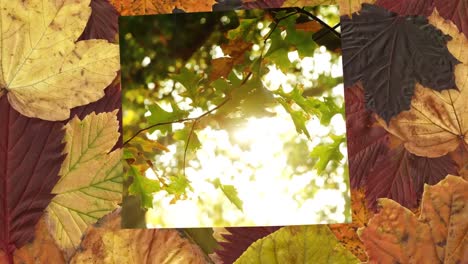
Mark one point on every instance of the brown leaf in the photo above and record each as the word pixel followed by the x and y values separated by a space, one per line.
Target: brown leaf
pixel 147 7
pixel 41 250
pixel 347 7
pixel 105 242
pixel 346 233
pixel 310 26
pixel 396 235
pixel 221 67
pixel 236 49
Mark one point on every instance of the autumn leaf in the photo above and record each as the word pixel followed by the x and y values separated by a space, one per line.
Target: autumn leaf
pixel 302 3
pixel 298 244
pixel 348 7
pixel 262 4
pixel 90 183
pixel 47 73
pixel 408 7
pixel 221 67
pixel 391 55
pixel 41 250
pixel 437 122
pixel 400 175
pixel 366 142
pixel 238 239
pixel 103 22
pixel 396 235
pixel 456 11
pixel 346 233
pixel 148 7
pixel 30 159
pixel 105 242
pixel 236 49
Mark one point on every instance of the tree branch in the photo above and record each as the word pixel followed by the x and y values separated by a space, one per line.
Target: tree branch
pixel 307 13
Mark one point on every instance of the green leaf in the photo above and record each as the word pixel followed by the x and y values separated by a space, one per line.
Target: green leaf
pixel 299 117
pixel 143 187
pixel 328 152
pixel 159 115
pixel 298 244
pixel 247 25
pixel 183 134
pixel 231 193
pixel 178 185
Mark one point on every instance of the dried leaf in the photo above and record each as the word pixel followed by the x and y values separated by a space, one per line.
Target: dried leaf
pixel 391 54
pixel 103 22
pixel 408 7
pixel 90 183
pixel 236 49
pixel 41 250
pixel 456 11
pixel 107 243
pixel 396 235
pixel 148 7
pixel 30 159
pixel 46 73
pixel 348 7
pixel 346 233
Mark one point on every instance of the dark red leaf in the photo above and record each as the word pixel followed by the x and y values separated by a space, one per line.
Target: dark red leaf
pixel 455 10
pixel 408 7
pixel 400 176
pixel 239 240
pixel 103 22
pixel 390 53
pixel 30 160
pixel 366 142
pixel 261 4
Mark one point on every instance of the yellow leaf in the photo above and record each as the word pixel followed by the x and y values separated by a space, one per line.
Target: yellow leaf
pixel 44 72
pixel 147 7
pixel 90 184
pixel 348 7
pixel 108 243
pixel 301 3
pixel 437 122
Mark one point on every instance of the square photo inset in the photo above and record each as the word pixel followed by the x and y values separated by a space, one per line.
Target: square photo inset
pixel 234 118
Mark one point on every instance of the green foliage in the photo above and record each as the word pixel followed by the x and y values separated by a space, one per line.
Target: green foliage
pixel 182 52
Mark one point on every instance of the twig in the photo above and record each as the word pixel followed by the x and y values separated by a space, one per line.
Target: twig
pixel 188 141
pixel 305 12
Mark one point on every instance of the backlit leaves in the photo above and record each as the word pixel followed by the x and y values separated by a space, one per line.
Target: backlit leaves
pixel 90 183
pixel 298 244
pixel 391 54
pixel 438 235
pixel 45 72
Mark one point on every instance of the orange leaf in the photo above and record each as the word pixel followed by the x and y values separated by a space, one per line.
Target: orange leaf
pixel 236 49
pixel 346 233
pixel 147 7
pixel 396 235
pixel 310 26
pixel 41 250
pixel 107 242
pixel 221 67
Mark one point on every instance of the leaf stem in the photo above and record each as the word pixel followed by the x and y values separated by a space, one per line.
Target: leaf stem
pixel 309 14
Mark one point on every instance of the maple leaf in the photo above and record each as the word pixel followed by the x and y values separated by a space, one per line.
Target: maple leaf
pixel 41 250
pixel 90 183
pixel 298 244
pixel 44 72
pixel 346 233
pixel 456 11
pixel 391 54
pixel 103 22
pixel 396 235
pixel 30 159
pixel 437 122
pixel 148 7
pixel 348 7
pixel 400 175
pixel 366 142
pixel 107 243
pixel 221 67
pixel 238 239
pixel 408 7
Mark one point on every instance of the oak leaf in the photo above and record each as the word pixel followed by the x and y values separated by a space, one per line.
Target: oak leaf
pixel 44 72
pixel 90 184
pixel 105 242
pixel 438 235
